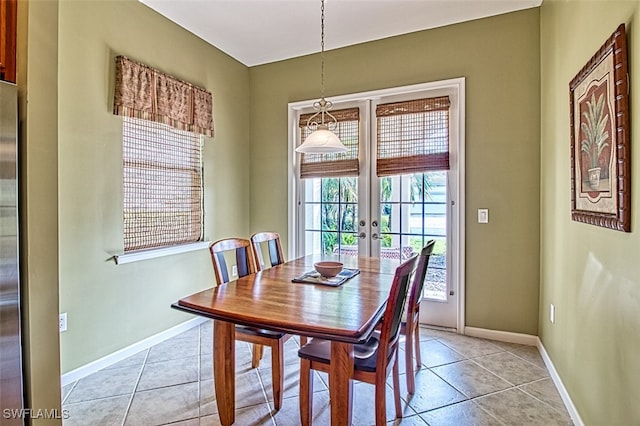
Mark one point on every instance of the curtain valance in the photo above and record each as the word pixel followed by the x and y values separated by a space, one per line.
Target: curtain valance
pixel 146 93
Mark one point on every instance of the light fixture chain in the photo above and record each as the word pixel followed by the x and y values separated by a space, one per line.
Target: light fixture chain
pixel 322 46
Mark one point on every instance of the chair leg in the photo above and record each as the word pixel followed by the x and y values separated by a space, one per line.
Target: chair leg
pixel 381 399
pixel 396 388
pixel 408 353
pixel 303 340
pixel 306 392
pixel 256 355
pixel 277 369
pixel 416 342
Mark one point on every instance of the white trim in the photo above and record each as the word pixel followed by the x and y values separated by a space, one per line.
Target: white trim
pixel 138 255
pixel 124 353
pixel 461 200
pixel 564 394
pixel 502 336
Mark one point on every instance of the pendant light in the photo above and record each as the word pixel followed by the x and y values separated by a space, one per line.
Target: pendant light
pixel 322 140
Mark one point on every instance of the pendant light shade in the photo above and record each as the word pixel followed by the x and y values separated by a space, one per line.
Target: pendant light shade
pixel 322 140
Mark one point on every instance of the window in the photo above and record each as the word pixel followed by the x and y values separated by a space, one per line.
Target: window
pixel 407 190
pixel 163 195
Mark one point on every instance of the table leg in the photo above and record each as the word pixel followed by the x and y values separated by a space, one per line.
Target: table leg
pixel 224 370
pixel 340 383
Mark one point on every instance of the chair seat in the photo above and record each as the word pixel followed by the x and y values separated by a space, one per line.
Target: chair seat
pixel 259 332
pixel 365 355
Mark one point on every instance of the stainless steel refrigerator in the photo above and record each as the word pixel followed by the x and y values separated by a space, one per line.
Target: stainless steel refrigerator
pixel 11 401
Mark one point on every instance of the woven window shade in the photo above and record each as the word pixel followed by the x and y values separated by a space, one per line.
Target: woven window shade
pixel 413 136
pixel 146 93
pixel 334 164
pixel 162 185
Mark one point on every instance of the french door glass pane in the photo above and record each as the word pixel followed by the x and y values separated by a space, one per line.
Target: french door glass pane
pixel 413 210
pixel 331 216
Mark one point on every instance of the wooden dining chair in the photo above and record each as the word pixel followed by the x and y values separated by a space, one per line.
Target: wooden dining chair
pixel 272 242
pixel 373 360
pixel 409 327
pixel 245 264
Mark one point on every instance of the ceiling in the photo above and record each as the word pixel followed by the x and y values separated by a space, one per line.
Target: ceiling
pixel 261 31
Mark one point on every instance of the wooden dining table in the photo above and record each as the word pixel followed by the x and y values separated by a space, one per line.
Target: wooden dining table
pixel 345 315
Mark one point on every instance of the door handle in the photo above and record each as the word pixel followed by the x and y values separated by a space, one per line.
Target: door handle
pixel 362 235
pixel 375 236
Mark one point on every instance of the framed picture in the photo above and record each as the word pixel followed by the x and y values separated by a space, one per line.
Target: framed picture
pixel 600 154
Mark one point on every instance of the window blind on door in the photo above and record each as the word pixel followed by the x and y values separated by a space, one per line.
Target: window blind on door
pixel 334 164
pixel 413 136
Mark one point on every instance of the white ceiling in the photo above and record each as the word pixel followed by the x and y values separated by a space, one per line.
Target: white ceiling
pixel 261 31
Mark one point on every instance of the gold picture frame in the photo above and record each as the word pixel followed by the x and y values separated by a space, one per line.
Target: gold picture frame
pixel 600 153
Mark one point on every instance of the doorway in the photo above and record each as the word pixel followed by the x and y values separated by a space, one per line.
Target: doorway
pixel 392 215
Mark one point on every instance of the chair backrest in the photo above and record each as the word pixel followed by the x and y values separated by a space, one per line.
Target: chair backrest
pixel 272 240
pixel 390 327
pixel 415 295
pixel 243 255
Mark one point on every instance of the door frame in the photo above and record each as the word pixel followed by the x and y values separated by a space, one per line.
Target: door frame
pixel 457 219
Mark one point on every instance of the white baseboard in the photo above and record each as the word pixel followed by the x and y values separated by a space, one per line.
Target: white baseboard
pixel 568 403
pixel 123 353
pixel 502 336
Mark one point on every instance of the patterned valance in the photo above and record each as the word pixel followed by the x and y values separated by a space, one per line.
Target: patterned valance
pixel 146 93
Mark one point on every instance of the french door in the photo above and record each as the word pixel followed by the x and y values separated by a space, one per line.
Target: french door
pixel 390 216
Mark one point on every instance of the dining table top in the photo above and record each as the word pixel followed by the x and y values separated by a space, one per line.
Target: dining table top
pixel 269 299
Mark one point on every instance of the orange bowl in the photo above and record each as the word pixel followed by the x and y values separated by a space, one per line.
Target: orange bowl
pixel 328 269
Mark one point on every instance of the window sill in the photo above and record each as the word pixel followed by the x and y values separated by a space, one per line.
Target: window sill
pixel 136 256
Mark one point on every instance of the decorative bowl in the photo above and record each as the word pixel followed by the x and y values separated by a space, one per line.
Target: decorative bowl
pixel 328 269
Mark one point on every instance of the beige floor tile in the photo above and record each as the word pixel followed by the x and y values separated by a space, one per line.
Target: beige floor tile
pixel 431 392
pixel 470 347
pixel 291 381
pixel 516 407
pixel 526 352
pixel 105 383
pixel 434 353
pixel 471 379
pixel 169 373
pixel 289 414
pixel 364 403
pixel 465 413
pixel 545 391
pixel 103 412
pixel 255 415
pixel 176 387
pixel 511 368
pixel 164 405
pixel 173 349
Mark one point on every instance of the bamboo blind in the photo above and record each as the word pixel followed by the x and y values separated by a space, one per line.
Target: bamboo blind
pixel 334 164
pixel 162 185
pixel 413 136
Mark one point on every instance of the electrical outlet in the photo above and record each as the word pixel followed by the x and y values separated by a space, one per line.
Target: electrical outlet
pixel 552 313
pixel 234 270
pixel 63 322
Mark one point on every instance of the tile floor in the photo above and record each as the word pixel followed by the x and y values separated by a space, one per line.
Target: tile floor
pixel 464 381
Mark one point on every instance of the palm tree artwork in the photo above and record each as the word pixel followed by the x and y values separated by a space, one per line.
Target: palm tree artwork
pixel 593 127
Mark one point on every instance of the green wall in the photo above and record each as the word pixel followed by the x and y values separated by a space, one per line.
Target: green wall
pixel 499 57
pixel 590 274
pixel 112 306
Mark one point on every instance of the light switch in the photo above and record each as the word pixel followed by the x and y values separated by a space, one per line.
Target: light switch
pixel 483 215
